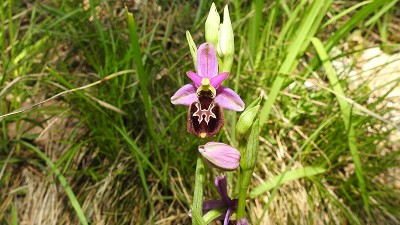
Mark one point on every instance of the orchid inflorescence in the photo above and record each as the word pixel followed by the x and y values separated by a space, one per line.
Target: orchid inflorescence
pixel 206 99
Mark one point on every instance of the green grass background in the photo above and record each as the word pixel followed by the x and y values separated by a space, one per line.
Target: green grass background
pixel 112 149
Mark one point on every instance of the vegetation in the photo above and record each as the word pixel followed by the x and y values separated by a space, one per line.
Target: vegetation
pixel 88 133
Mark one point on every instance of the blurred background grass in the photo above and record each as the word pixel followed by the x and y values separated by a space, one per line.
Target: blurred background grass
pixel 118 152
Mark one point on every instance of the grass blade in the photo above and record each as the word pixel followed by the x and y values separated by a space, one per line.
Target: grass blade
pixel 349 25
pixel 136 153
pixel 292 53
pixel 213 214
pixel 345 12
pixel 197 207
pixel 345 108
pixel 255 23
pixel 142 75
pixel 137 56
pixel 72 198
pixel 304 145
pixel 379 14
pixel 285 178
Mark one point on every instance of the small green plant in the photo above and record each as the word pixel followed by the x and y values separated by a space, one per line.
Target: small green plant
pixel 206 98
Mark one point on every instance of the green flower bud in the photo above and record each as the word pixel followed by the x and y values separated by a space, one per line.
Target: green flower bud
pixel 212 26
pixel 246 119
pixel 249 155
pixel 226 45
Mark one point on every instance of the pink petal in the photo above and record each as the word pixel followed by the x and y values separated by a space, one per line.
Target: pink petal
pixel 228 99
pixel 217 80
pixel 186 95
pixel 222 187
pixel 207 63
pixel 221 156
pixel 242 221
pixel 227 215
pixel 195 78
pixel 212 204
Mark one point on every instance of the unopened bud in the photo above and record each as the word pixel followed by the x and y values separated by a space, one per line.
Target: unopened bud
pixel 212 26
pixel 242 221
pixel 226 45
pixel 249 155
pixel 246 119
pixel 220 155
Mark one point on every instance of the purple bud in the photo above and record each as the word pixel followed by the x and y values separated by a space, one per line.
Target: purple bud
pixel 242 221
pixel 220 155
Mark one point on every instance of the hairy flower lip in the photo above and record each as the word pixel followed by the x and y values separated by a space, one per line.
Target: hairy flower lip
pixel 205 117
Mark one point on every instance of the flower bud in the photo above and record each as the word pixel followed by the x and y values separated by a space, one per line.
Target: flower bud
pixel 220 155
pixel 249 155
pixel 225 46
pixel 242 221
pixel 246 119
pixel 212 26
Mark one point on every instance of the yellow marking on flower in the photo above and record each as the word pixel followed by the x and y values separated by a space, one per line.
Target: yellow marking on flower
pixel 206 87
pixel 205 82
pixel 203 135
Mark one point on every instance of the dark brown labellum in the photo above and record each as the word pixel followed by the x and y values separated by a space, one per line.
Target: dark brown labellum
pixel 205 117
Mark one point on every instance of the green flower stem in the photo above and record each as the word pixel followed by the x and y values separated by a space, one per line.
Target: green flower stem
pixel 197 207
pixel 244 184
pixel 249 152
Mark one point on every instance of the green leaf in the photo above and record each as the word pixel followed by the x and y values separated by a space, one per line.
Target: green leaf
pixel 249 156
pixel 197 219
pixel 137 56
pixel 213 214
pixel 197 207
pixel 192 48
pixel 285 178
pixel 379 14
pixel 72 198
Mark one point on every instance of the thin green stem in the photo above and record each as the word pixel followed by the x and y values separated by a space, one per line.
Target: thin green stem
pixel 244 184
pixel 197 207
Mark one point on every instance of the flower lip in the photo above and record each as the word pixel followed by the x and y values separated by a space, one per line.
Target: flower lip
pixel 205 117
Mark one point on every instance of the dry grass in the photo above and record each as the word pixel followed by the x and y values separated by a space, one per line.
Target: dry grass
pixel 102 170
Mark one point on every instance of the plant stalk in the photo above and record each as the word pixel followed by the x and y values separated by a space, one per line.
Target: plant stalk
pixel 197 207
pixel 244 184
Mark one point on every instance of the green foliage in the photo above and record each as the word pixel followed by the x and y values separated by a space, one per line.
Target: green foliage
pixel 85 104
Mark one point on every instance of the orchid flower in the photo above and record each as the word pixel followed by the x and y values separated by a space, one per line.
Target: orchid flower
pixel 226 201
pixel 205 96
